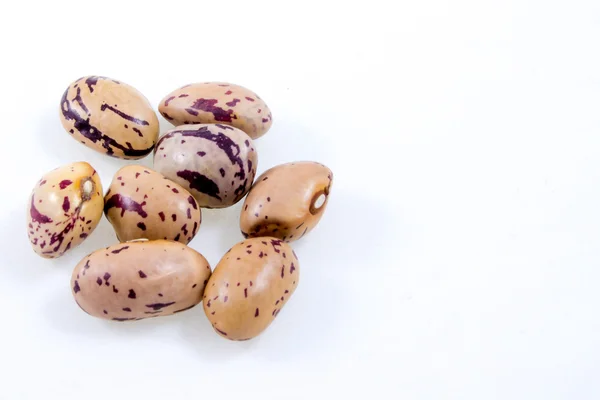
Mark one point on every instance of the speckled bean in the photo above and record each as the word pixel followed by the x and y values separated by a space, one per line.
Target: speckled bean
pixel 217 102
pixel 140 279
pixel 141 203
pixel 216 163
pixel 110 117
pixel 64 207
pixel 287 201
pixel 250 286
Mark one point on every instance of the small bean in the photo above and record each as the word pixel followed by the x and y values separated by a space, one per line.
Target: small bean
pixel 64 208
pixel 141 203
pixel 110 117
pixel 216 163
pixel 140 279
pixel 217 102
pixel 287 201
pixel 250 286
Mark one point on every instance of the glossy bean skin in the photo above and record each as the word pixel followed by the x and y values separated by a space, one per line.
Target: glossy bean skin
pixel 216 163
pixel 220 103
pixel 64 208
pixel 140 279
pixel 284 201
pixel 141 203
pixel 110 117
pixel 250 286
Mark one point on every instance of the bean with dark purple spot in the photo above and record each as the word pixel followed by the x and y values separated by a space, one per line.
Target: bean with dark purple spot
pixel 64 207
pixel 287 201
pixel 138 200
pixel 213 162
pixel 217 103
pixel 264 279
pixel 162 287
pixel 110 117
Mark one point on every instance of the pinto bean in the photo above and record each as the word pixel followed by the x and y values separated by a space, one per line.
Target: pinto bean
pixel 110 117
pixel 287 201
pixel 140 279
pixel 141 203
pixel 250 286
pixel 216 163
pixel 64 208
pixel 217 102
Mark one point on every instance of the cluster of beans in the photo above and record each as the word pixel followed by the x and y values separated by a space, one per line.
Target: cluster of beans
pixel 207 161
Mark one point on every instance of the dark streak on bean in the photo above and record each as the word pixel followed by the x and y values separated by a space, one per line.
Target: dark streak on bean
pixel 184 309
pixel 117 251
pixel 93 134
pixel 159 306
pixel 125 204
pixel 123 115
pixel 220 331
pixel 201 183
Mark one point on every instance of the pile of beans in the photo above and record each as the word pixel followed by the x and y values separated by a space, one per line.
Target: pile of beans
pixel 207 161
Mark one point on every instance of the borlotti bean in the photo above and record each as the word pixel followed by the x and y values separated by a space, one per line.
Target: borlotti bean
pixel 140 279
pixel 216 163
pixel 287 201
pixel 141 203
pixel 217 102
pixel 110 117
pixel 64 208
pixel 250 286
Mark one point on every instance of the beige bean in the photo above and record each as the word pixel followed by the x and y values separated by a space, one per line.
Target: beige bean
pixel 216 163
pixel 64 208
pixel 217 102
pixel 250 286
pixel 110 117
pixel 140 279
pixel 287 201
pixel 141 203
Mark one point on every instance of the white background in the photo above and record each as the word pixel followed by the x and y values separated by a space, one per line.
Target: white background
pixel 459 254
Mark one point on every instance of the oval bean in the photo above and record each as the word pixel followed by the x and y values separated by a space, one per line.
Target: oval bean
pixel 287 201
pixel 217 102
pixel 110 117
pixel 250 286
pixel 141 203
pixel 216 163
pixel 65 207
pixel 140 279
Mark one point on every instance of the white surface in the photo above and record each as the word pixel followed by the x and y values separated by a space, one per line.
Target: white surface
pixel 459 255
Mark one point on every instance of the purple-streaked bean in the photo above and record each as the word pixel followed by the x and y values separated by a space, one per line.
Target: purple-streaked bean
pixel 64 208
pixel 110 117
pixel 287 201
pixel 140 279
pixel 220 103
pixel 216 163
pixel 141 203
pixel 250 286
